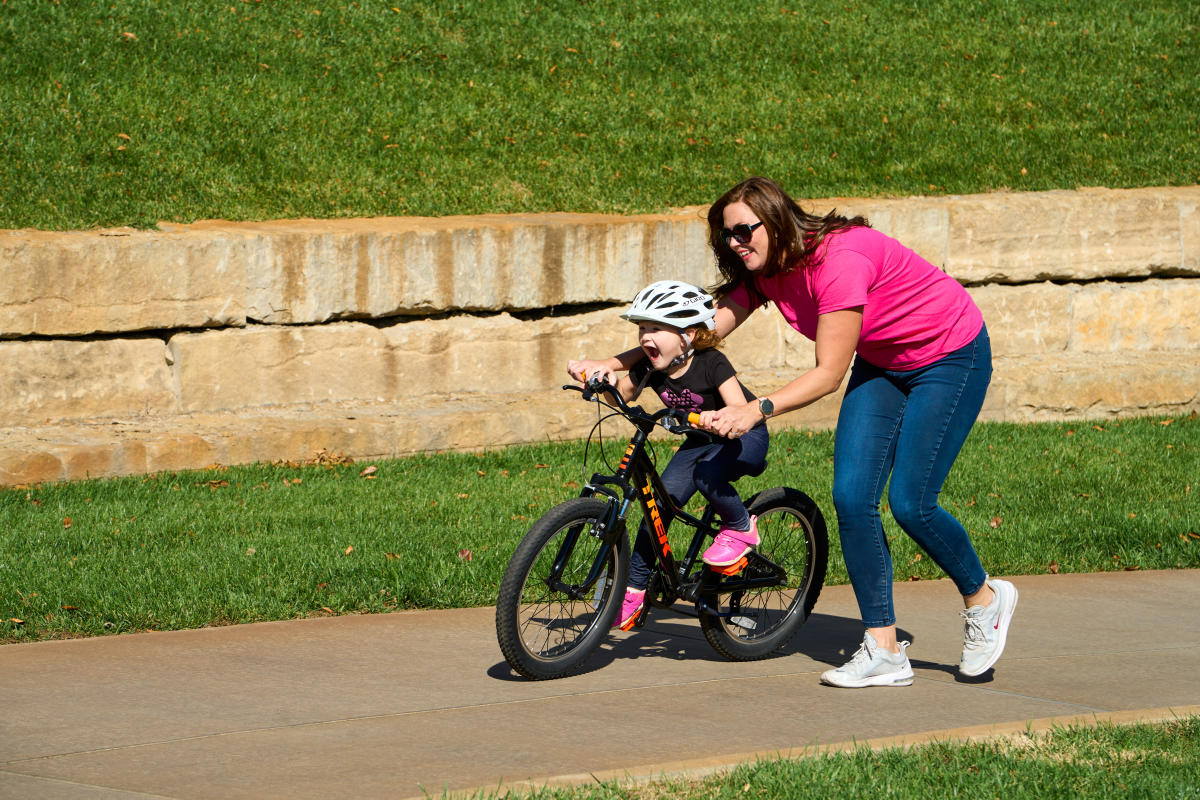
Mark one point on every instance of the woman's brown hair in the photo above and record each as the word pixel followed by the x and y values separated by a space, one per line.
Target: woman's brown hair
pixel 793 233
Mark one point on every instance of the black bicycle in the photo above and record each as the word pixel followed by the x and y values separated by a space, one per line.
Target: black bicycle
pixel 565 583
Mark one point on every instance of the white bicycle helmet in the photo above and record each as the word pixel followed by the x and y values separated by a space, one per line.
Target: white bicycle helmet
pixel 673 303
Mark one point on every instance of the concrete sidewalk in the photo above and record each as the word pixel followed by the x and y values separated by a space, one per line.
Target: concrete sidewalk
pixel 399 705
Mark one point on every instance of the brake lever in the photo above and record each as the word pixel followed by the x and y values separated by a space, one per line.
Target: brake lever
pixel 688 426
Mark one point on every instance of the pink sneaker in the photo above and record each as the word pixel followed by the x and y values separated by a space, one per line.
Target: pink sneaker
pixel 635 601
pixel 729 546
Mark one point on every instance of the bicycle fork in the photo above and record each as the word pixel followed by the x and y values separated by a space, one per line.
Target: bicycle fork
pixel 608 530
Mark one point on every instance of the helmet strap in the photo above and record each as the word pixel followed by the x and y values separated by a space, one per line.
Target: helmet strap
pixel 682 358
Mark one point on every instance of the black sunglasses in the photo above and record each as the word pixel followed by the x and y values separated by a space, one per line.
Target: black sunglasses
pixel 741 232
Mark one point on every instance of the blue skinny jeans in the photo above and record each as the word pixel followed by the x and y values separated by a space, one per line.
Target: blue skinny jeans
pixel 909 425
pixel 710 468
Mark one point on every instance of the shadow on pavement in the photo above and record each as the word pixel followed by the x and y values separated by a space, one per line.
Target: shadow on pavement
pixel 671 635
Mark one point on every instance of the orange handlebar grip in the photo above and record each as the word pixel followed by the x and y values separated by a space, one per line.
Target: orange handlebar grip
pixel 693 418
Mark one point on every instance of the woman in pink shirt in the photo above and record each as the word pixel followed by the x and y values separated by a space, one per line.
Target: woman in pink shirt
pixel 919 359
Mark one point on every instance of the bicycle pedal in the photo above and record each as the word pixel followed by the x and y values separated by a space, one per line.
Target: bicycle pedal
pixel 732 569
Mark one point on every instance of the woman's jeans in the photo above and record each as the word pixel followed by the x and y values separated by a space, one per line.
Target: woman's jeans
pixel 910 425
pixel 710 468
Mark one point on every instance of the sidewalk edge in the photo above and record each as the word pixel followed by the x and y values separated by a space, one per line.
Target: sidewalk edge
pixel 703 767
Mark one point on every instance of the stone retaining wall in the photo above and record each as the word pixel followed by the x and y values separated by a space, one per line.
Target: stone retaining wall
pixel 134 351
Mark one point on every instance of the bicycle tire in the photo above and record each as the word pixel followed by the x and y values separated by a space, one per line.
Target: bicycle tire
pixel 752 624
pixel 545 632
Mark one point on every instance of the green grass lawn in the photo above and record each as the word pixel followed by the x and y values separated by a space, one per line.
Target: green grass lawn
pixel 267 542
pixel 132 111
pixel 1071 763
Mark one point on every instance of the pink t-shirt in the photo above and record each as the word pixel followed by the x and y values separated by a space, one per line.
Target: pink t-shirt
pixel 913 313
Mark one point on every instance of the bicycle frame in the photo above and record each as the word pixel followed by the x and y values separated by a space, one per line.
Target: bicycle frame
pixel 637 478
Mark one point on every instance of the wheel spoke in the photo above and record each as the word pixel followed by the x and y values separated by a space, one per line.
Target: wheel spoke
pixel 545 627
pixel 753 622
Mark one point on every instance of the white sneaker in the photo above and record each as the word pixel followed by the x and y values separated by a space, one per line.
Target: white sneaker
pixel 871 666
pixel 985 628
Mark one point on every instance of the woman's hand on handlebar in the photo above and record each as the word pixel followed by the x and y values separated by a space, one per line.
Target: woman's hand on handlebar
pixel 704 421
pixel 733 421
pixel 585 368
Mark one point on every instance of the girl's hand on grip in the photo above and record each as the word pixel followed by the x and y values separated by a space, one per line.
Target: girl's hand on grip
pixel 583 369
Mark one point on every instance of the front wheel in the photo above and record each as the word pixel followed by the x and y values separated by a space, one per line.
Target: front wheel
pixel 751 623
pixel 549 616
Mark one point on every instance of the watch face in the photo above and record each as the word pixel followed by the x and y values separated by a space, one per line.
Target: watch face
pixel 766 406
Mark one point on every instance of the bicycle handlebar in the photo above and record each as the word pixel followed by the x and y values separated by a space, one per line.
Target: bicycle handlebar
pixel 595 386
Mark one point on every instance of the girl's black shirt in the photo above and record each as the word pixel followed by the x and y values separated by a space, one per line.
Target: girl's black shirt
pixel 698 389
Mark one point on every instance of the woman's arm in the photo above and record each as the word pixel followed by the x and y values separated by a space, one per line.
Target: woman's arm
pixel 837 338
pixel 729 316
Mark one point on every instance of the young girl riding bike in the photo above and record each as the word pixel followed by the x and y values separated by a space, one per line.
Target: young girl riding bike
pixel 680 363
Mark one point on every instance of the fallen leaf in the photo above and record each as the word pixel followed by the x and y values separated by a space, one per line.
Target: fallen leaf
pixel 349 549
pixel 1053 567
pixel 465 554
pixel 1132 568
pixel 16 621
pixel 129 36
pixel 327 609
pixel 250 551
pixel 995 522
pixel 1166 422
pixel 70 608
pixel 124 136
pixel 66 522
pixel 480 473
pixel 391 556
pixel 368 471
pixel 914 577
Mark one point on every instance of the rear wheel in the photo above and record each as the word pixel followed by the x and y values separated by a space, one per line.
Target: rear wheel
pixel 752 623
pixel 548 624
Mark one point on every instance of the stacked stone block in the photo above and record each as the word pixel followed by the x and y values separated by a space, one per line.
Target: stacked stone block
pixel 136 351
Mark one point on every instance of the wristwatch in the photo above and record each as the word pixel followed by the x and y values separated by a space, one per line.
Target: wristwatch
pixel 766 406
